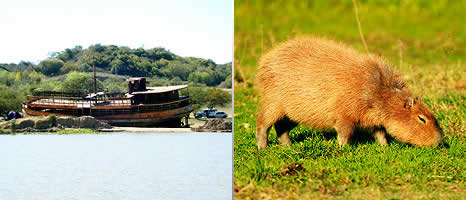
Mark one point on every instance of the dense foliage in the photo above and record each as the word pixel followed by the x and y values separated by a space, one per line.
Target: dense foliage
pixel 9 100
pixel 80 81
pixel 208 97
pixel 50 67
pixel 156 63
pixel 15 86
pixel 72 69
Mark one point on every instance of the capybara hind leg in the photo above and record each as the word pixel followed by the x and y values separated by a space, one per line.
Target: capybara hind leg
pixel 261 133
pixel 283 128
pixel 267 117
pixel 380 137
pixel 344 132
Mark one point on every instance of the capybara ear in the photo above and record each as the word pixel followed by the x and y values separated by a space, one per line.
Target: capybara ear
pixel 409 102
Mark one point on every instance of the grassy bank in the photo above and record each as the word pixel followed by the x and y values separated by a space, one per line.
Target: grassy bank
pixel 426 42
pixel 67 131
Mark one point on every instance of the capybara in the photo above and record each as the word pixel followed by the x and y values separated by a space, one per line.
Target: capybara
pixel 327 85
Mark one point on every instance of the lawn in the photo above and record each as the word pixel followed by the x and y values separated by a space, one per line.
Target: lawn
pixel 424 41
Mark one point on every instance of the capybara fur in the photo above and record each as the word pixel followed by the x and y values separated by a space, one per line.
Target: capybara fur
pixel 327 85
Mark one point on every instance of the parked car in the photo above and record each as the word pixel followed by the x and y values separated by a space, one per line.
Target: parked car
pixel 211 114
pixel 205 113
pixel 221 115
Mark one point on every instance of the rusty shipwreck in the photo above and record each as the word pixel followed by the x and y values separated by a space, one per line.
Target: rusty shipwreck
pixel 140 106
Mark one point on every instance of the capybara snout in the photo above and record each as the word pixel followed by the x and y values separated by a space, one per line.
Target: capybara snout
pixel 327 85
pixel 416 125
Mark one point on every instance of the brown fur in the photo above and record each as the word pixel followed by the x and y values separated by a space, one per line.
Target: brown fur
pixel 326 85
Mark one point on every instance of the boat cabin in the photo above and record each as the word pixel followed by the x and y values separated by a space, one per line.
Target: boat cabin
pixel 152 95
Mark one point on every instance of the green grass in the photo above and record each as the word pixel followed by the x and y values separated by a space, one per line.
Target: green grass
pixel 78 131
pixel 433 45
pixel 69 131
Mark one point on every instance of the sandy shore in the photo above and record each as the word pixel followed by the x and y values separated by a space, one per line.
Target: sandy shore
pixel 194 123
pixel 147 130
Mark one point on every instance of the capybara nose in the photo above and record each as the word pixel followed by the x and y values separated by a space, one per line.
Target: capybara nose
pixel 439 141
pixel 444 144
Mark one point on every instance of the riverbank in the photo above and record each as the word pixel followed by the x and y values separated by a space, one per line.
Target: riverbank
pixel 146 130
pixel 90 125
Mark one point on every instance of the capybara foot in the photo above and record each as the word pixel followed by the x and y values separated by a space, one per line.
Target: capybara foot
pixel 380 137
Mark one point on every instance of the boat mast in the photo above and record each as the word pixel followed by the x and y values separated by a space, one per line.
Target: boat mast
pixel 95 81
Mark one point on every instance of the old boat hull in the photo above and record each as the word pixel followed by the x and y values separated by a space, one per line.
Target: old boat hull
pixel 141 106
pixel 168 118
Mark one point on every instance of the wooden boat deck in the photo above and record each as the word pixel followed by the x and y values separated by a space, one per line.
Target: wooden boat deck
pixel 54 102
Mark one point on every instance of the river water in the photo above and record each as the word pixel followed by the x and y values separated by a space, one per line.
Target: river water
pixel 116 166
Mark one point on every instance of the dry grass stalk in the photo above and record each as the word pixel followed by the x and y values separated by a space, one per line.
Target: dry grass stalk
pixel 359 26
pixel 262 39
pixel 400 45
pixel 238 66
pixel 272 38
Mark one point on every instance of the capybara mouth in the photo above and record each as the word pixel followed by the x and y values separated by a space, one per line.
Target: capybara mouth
pixel 444 145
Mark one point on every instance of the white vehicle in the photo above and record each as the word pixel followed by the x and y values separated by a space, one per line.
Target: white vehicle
pixel 221 115
pixel 210 113
pixel 205 113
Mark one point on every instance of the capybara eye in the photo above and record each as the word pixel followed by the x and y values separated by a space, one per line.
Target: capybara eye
pixel 422 119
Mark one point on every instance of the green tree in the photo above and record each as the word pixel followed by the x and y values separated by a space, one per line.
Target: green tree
pixel 143 67
pixel 176 81
pixel 34 77
pixel 10 99
pixel 216 97
pixel 179 69
pixel 121 67
pixel 69 67
pixel 4 68
pixel 70 54
pixel 80 81
pixel 50 67
pixel 227 83
pixel 197 96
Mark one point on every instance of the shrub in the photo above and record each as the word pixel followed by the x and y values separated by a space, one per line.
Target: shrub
pixel 53 120
pixel 80 81
pixel 50 67
pixel 13 125
pixel 4 132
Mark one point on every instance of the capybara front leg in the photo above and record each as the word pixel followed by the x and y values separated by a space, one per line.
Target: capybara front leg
pixel 344 132
pixel 283 128
pixel 380 137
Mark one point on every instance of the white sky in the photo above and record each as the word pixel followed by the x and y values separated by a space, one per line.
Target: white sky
pixel 30 29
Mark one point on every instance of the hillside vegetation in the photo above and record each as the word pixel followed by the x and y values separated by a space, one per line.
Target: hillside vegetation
pixel 72 69
pixel 156 63
pixel 424 40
